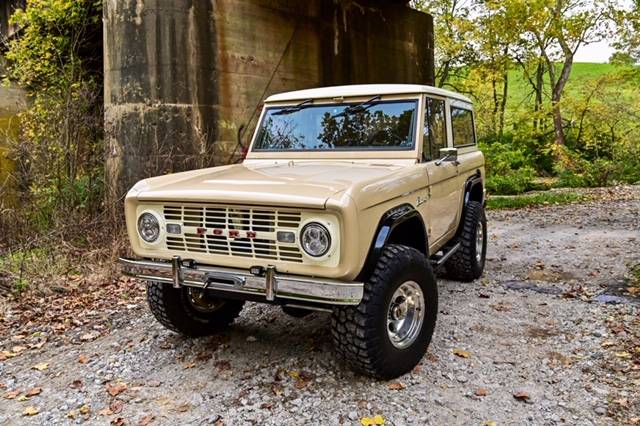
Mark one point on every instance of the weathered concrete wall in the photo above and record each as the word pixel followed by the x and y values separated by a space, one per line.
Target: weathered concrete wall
pixel 181 76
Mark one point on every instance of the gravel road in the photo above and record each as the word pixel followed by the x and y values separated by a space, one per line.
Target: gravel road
pixel 532 342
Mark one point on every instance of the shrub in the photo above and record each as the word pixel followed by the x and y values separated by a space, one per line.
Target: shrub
pixel 508 169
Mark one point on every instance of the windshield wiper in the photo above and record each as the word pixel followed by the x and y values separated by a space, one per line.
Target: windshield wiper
pixel 358 108
pixel 295 108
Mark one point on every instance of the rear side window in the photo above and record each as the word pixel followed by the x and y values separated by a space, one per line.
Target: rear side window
pixel 435 129
pixel 462 124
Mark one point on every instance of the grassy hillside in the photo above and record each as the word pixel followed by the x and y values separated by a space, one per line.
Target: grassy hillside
pixel 583 76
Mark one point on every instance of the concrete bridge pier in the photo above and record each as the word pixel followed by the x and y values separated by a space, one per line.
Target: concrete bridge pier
pixel 182 76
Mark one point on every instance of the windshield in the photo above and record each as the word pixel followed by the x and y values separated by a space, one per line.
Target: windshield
pixel 370 125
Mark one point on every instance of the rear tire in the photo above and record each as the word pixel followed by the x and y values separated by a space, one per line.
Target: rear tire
pixel 191 312
pixel 467 264
pixel 374 337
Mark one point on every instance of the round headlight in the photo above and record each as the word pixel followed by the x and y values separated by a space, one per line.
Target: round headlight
pixel 315 239
pixel 148 227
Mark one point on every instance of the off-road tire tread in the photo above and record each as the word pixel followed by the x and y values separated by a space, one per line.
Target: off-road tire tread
pixel 167 306
pixel 354 336
pixel 461 266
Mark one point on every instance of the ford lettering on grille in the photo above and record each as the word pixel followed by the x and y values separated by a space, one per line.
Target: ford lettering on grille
pixel 233 231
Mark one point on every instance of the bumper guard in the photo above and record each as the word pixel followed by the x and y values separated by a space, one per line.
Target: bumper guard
pixel 269 284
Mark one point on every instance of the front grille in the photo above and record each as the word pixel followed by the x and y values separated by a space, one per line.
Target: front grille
pixel 233 231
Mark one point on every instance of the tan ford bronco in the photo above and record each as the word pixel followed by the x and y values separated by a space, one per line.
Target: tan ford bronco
pixel 348 200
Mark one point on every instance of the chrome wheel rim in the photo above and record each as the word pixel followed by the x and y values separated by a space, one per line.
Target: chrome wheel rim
pixel 479 242
pixel 405 315
pixel 202 302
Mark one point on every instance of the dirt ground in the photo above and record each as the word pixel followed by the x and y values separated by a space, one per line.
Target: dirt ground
pixel 548 336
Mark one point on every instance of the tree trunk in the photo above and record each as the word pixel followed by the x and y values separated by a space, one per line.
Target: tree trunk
pixel 538 100
pixel 494 113
pixel 557 121
pixel 503 101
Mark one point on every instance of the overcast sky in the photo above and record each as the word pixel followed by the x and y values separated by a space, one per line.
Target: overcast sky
pixel 595 52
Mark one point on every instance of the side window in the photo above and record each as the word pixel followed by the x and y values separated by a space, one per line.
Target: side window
pixel 462 124
pixel 435 129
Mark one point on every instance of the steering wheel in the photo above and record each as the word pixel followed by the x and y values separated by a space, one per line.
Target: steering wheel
pixel 376 135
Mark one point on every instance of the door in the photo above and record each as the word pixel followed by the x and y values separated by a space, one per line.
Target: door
pixel 441 208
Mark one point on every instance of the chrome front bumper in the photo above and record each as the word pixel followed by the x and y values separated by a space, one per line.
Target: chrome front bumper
pixel 268 283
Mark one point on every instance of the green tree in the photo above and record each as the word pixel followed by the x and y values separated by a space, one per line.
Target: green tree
pixel 454 31
pixel 57 57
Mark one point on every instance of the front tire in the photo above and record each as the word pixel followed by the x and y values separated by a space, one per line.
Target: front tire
pixel 468 262
pixel 388 333
pixel 191 312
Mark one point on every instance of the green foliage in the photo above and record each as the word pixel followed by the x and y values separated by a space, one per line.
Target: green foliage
pixel 58 151
pixel 508 169
pixel 534 199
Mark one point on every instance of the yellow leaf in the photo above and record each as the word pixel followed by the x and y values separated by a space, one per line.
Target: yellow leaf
pixel 490 423
pixel 22 398
pixel 294 375
pixel 85 409
pixel 396 386
pixel 461 353
pixel 41 367
pixel 371 421
pixel 623 355
pixel 30 411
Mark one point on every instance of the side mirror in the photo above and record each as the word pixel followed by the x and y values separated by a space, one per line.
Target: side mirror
pixel 449 155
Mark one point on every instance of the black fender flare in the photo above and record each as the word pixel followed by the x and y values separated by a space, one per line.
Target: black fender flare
pixel 472 181
pixel 388 222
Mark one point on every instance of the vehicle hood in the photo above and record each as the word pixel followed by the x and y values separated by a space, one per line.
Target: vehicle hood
pixel 300 183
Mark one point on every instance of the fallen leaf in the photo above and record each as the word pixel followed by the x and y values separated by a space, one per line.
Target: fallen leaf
pixel 189 365
pixel 83 359
pixel 623 402
pixel 623 355
pixel 501 307
pixel 116 406
pixel 22 398
pixel 300 384
pixel 89 336
pixel 116 389
pixel 522 396
pixel 266 405
pixel 146 420
pixel 482 392
pixel 183 407
pixel 461 353
pixel 370 421
pixel 85 409
pixel 76 384
pixel 17 349
pixel 106 411
pixel 219 423
pixel 41 366
pixel 12 394
pixel 397 386
pixel 153 383
pixel 34 391
pixel 490 423
pixel 294 375
pixel 275 388
pixel 71 414
pixel 4 355
pixel 30 411
pixel 118 422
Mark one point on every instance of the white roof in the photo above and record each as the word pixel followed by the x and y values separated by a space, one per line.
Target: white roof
pixel 364 90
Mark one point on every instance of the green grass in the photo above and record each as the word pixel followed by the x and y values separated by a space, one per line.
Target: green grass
pixel 582 74
pixel 535 199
